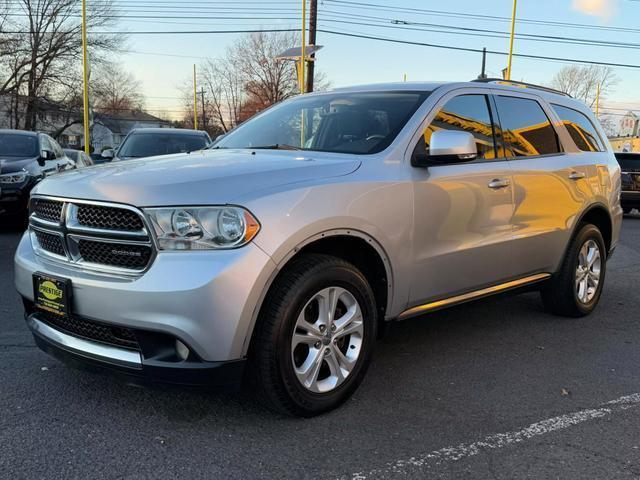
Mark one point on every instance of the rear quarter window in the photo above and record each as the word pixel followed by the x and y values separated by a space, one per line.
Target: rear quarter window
pixel 582 130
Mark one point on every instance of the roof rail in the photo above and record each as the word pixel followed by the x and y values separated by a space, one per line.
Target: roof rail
pixel 520 84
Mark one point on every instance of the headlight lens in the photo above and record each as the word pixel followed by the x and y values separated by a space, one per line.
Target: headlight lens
pixel 202 228
pixel 17 177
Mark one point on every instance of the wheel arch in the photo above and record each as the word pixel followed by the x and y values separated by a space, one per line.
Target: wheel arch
pixel 351 245
pixel 598 215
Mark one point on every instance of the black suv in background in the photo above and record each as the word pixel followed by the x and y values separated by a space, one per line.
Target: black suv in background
pixel 151 142
pixel 630 165
pixel 25 159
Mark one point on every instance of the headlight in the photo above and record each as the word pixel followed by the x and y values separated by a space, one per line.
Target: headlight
pixel 17 177
pixel 202 228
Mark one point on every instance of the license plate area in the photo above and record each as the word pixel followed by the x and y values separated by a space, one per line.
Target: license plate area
pixel 52 294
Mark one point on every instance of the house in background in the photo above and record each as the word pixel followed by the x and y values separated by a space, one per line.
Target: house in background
pixel 630 124
pixel 109 130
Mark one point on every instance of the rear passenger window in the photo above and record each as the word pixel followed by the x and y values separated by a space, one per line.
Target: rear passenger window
pixel 468 113
pixel 580 128
pixel 525 127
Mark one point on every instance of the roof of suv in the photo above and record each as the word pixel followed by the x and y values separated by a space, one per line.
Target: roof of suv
pixel 430 86
pixel 26 133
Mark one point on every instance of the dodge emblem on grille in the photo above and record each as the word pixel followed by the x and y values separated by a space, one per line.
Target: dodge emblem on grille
pixel 127 253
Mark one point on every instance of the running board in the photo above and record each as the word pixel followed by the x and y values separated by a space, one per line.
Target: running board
pixel 467 297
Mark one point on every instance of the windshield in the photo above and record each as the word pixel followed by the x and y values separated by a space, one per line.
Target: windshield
pixel 150 144
pixel 19 146
pixel 345 122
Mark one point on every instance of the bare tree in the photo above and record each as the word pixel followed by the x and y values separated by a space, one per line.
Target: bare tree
pixel 267 79
pixel 45 36
pixel 224 90
pixel 582 82
pixel 115 90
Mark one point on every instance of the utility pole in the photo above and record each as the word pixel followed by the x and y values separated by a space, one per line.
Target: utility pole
pixel 195 99
pixel 598 100
pixel 85 80
pixel 204 114
pixel 303 50
pixel 513 31
pixel 313 20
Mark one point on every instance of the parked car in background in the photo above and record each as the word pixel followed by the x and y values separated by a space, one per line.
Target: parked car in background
pixel 80 158
pixel 25 159
pixel 151 142
pixel 282 250
pixel 630 165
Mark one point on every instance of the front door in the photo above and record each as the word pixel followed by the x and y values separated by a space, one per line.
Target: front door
pixel 463 211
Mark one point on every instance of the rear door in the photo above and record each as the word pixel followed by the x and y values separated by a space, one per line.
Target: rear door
pixel 551 182
pixel 462 212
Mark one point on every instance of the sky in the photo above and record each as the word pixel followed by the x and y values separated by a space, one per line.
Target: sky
pixel 164 62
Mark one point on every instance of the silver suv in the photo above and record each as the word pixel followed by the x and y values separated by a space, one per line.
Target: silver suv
pixel 276 257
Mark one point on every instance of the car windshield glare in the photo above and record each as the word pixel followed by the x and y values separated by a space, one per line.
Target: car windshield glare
pixel 19 146
pixel 151 144
pixel 340 122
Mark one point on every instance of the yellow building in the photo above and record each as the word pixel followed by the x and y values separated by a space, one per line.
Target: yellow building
pixel 625 144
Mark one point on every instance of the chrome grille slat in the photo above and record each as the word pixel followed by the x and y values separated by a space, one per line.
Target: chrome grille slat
pixel 108 237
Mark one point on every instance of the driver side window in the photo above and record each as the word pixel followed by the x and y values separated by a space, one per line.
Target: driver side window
pixel 467 113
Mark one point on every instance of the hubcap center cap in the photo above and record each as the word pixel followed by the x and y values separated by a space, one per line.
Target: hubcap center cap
pixel 326 339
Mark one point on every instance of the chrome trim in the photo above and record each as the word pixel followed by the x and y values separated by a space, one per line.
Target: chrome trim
pixel 40 251
pixel 467 297
pixel 71 231
pixel 72 224
pixel 86 348
pixel 74 253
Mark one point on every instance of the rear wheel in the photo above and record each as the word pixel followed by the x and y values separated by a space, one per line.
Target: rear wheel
pixel 575 290
pixel 315 335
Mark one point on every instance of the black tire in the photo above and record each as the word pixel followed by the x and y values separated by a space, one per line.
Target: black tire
pixel 272 366
pixel 559 295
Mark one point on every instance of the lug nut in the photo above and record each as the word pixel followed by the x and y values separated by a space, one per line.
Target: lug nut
pixel 327 351
pixel 333 328
pixel 323 328
pixel 317 345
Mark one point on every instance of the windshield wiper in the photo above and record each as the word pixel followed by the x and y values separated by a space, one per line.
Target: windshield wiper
pixel 276 146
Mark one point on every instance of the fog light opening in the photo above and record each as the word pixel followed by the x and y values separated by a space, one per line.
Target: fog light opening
pixel 182 350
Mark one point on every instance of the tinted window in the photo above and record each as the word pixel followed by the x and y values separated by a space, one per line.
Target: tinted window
pixel 580 128
pixel 139 145
pixel 345 122
pixel 525 127
pixel 57 149
pixel 19 146
pixel 467 113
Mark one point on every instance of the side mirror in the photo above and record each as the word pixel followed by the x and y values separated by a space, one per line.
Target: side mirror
pixel 108 153
pixel 218 138
pixel 447 146
pixel 46 155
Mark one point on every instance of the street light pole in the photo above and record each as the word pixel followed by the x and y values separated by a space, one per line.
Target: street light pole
pixel 195 99
pixel 85 80
pixel 313 21
pixel 513 31
pixel 303 52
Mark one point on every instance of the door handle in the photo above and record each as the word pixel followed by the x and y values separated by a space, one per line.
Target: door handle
pixel 576 175
pixel 498 183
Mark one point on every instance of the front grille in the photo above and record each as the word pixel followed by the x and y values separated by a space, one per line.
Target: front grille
pixel 50 242
pixel 130 256
pixel 50 210
pixel 100 237
pixel 90 330
pixel 109 218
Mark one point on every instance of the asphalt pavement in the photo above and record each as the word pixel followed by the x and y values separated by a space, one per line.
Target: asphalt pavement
pixel 497 389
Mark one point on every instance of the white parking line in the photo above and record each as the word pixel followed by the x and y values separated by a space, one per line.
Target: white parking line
pixel 500 440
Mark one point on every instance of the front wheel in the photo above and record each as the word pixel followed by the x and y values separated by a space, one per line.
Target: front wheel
pixel 574 291
pixel 315 335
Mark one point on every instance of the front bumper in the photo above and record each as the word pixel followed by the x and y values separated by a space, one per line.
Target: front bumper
pixel 133 364
pixel 14 199
pixel 630 199
pixel 208 300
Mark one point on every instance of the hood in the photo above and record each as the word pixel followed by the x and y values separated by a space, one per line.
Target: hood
pixel 200 178
pixel 13 164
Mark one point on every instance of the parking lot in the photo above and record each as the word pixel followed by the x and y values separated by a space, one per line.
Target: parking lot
pixel 496 389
